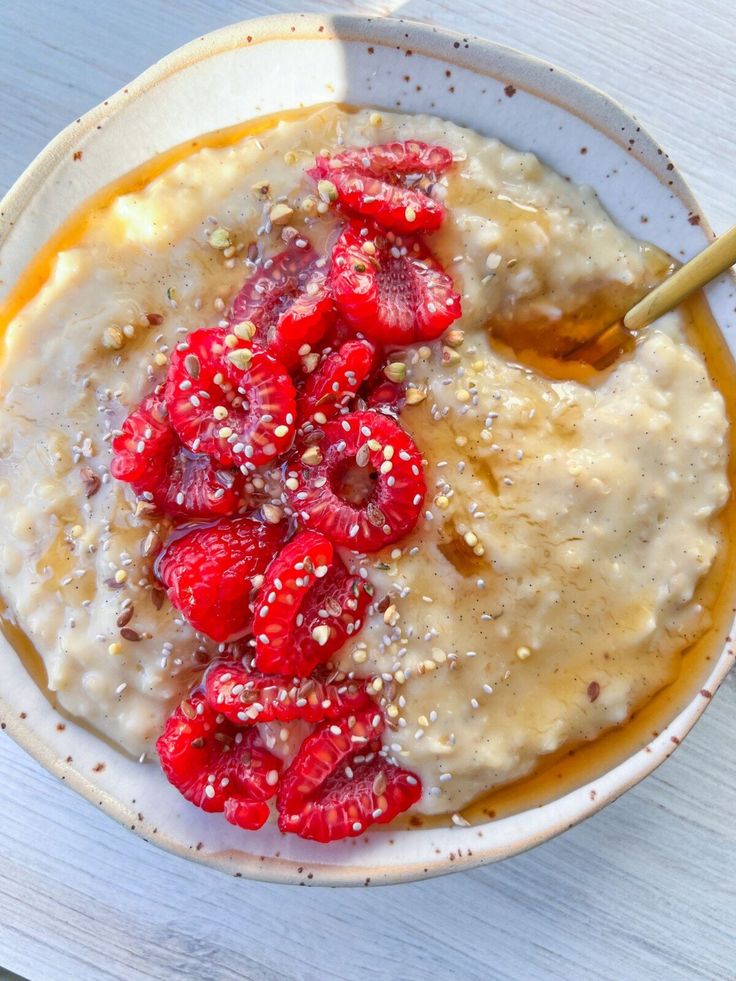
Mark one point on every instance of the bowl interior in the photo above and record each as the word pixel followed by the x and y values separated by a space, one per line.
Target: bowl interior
pixel 299 61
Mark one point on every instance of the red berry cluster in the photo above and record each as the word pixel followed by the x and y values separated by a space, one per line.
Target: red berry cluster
pixel 294 384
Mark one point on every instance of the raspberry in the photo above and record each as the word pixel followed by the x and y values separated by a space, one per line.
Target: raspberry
pixel 209 574
pixel 335 382
pixel 376 793
pixel 338 334
pixel 248 814
pixel 217 766
pixel 235 405
pixel 388 183
pixel 180 484
pixel 246 697
pixel 288 302
pixel 306 608
pixel 331 745
pixel 371 447
pixel 387 396
pixel 195 488
pixel 339 602
pixel 142 453
pixel 396 292
pixel 337 786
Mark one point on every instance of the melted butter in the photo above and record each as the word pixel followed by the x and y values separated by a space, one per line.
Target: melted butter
pixel 519 336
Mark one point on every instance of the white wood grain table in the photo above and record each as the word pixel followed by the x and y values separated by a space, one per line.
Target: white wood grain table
pixel 645 890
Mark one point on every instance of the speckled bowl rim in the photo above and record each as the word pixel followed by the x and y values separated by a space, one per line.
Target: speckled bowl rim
pixel 598 111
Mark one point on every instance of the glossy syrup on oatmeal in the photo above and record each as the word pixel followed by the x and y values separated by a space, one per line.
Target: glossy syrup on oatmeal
pixel 574 766
pixel 571 767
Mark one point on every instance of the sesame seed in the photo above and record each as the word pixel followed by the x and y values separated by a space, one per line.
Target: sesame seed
pixel 459 821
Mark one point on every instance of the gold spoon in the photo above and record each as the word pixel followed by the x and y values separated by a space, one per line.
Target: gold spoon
pixel 600 349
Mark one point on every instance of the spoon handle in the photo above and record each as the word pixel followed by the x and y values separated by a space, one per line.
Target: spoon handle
pixel 708 264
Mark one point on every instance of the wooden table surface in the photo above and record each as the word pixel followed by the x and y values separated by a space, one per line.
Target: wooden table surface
pixel 647 888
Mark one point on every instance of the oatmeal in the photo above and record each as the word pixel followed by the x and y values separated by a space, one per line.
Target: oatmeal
pixel 547 588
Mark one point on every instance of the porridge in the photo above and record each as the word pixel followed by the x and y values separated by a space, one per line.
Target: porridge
pixel 276 388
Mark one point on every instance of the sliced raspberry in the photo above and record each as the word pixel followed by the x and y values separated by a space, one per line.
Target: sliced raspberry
pixel 376 182
pixel 142 453
pixel 338 334
pixel 195 488
pixel 368 446
pixel 396 292
pixel 335 382
pixel 388 396
pixel 240 416
pixel 339 602
pixel 387 159
pixel 178 483
pixel 209 574
pixel 306 608
pixel 248 814
pixel 217 766
pixel 288 301
pixel 330 745
pixel 297 567
pixel 336 786
pixel 376 793
pixel 246 697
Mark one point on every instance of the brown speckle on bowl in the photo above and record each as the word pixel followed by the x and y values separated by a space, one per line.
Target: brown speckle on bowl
pixel 98 767
pixel 510 91
pixel 705 693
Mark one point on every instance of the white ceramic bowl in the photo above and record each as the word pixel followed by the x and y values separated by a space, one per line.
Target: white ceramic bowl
pixel 283 62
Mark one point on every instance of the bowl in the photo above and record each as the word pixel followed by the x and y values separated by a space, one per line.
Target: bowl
pixel 392 64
